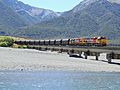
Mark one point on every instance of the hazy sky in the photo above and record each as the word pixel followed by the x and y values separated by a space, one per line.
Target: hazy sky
pixel 55 5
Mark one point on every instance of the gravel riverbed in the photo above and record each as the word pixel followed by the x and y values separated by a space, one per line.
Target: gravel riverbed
pixel 29 59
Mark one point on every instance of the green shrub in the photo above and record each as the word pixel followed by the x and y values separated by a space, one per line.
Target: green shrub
pixel 6 41
pixel 3 44
pixel 22 46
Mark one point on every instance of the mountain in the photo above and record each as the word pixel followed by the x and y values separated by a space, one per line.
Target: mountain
pixel 30 14
pixel 9 19
pixel 88 18
pixel 14 14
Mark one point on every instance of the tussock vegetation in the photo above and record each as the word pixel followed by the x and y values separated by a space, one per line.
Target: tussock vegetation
pixel 6 41
pixel 19 46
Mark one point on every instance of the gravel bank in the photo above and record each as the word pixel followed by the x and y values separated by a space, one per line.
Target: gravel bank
pixel 24 59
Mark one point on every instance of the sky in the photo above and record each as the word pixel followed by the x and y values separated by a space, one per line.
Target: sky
pixel 55 5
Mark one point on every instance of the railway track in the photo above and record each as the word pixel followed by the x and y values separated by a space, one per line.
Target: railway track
pixel 104 47
pixel 83 47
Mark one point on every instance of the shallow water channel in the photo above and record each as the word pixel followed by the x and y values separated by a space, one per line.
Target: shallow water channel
pixel 58 80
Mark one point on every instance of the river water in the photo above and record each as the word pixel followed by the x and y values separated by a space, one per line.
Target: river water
pixel 58 80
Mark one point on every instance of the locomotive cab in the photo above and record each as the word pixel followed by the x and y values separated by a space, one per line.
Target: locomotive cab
pixel 102 41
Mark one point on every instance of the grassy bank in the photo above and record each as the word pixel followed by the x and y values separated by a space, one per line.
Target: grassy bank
pixel 6 41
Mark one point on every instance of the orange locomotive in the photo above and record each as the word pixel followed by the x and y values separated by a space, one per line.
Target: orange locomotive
pixel 94 41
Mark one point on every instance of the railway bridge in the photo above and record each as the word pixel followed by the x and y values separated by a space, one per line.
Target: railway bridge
pixel 112 52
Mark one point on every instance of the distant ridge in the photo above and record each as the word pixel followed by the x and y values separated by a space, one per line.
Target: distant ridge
pixel 15 14
pixel 9 19
pixel 31 14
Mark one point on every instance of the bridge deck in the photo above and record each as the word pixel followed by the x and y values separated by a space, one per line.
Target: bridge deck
pixel 107 50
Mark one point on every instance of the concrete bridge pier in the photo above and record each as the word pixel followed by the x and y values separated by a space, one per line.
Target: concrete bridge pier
pixel 46 48
pixel 39 48
pixel 85 54
pixel 71 53
pixel 60 50
pixel 96 56
pixel 80 54
pixel 110 56
pixel 52 49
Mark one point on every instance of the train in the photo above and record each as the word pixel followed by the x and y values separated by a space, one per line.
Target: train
pixel 93 41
